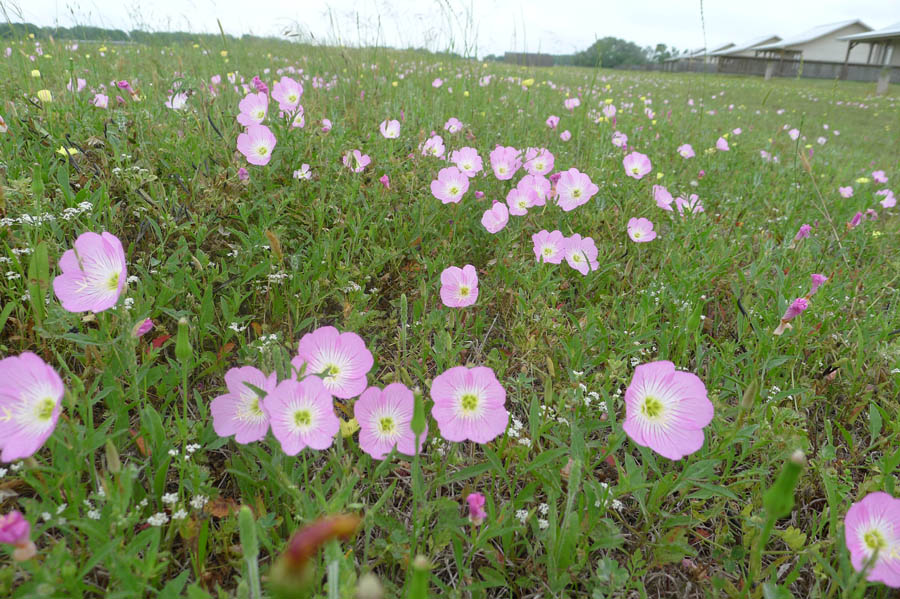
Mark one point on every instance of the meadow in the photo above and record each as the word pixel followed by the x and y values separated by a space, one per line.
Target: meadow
pixel 260 329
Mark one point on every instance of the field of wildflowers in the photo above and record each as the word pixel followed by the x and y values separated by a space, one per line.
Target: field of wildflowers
pixel 281 320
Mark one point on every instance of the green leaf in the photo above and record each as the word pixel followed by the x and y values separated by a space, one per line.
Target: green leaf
pixel 793 537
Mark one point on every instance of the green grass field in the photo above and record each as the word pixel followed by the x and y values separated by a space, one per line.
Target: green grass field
pixel 135 495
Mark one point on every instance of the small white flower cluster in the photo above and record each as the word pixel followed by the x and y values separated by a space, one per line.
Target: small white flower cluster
pixel 278 277
pixel 47 217
pixel 549 413
pixel 237 328
pixel 264 342
pixel 440 446
pixel 351 287
pixel 606 500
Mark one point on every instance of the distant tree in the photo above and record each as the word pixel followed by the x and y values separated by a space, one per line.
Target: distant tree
pixel 662 53
pixel 611 52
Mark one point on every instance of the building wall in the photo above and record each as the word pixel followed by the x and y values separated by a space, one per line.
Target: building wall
pixel 829 48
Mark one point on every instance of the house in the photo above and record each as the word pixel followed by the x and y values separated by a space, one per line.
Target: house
pixel 701 54
pixel 747 48
pixel 820 43
pixel 883 45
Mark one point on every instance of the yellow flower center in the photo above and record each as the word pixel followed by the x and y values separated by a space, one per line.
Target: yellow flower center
pixel 468 403
pixel 302 418
pixel 387 425
pixel 576 193
pixel 45 408
pixel 464 291
pixel 113 283
pixel 874 540
pixel 652 408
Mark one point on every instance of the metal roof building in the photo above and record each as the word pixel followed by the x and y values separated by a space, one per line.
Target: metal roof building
pixel 820 43
pixel 884 45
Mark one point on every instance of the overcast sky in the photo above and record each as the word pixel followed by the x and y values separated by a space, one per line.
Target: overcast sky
pixel 491 26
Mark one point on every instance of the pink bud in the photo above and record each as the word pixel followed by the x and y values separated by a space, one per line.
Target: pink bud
pixel 817 281
pixel 385 180
pixel 143 328
pixel 476 508
pixel 242 173
pixel 479 195
pixel 797 307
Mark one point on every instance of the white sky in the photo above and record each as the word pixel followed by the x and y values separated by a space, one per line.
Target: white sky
pixel 554 26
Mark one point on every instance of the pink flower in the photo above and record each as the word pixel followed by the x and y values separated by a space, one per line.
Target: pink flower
pixel 737 131
pixel 384 421
pixel 666 410
pixel 537 187
pixel 243 174
pixel 256 144
pixel 692 204
pixel 572 103
pixel 177 101
pixel 287 93
pixel 326 125
pixel 565 135
pixel 794 133
pixel 142 328
pixel 356 161
pixel 434 146
pixel 100 101
pixel 549 247
pixel 467 161
pixel 453 125
pixel 641 230
pixel 302 415
pixel 476 508
pixel 889 200
pixel 519 201
pixel 609 110
pixel 469 404
pixel 495 218
pixel 254 108
pixel 663 197
pixel 30 396
pixel 437 82
pixel 390 129
pixel 854 222
pixel 299 120
pixel 479 195
pixel 259 85
pixel 803 232
pixel 619 139
pixel 573 189
pixel 459 286
pixel 505 162
pixel 93 274
pixel 240 411
pixel 386 181
pixel 303 173
pixel 872 528
pixel 797 307
pixel 16 531
pixel 686 151
pixel 552 121
pixel 817 281
pixel 538 161
pixel 846 192
pixel 215 79
pixel 79 85
pixel 581 254
pixel 871 214
pixel 341 359
pixel 450 186
pixel 722 144
pixel 877 176
pixel 636 165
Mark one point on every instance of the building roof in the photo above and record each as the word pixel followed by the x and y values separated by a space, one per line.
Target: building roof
pixel 811 34
pixel 749 45
pixel 888 32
